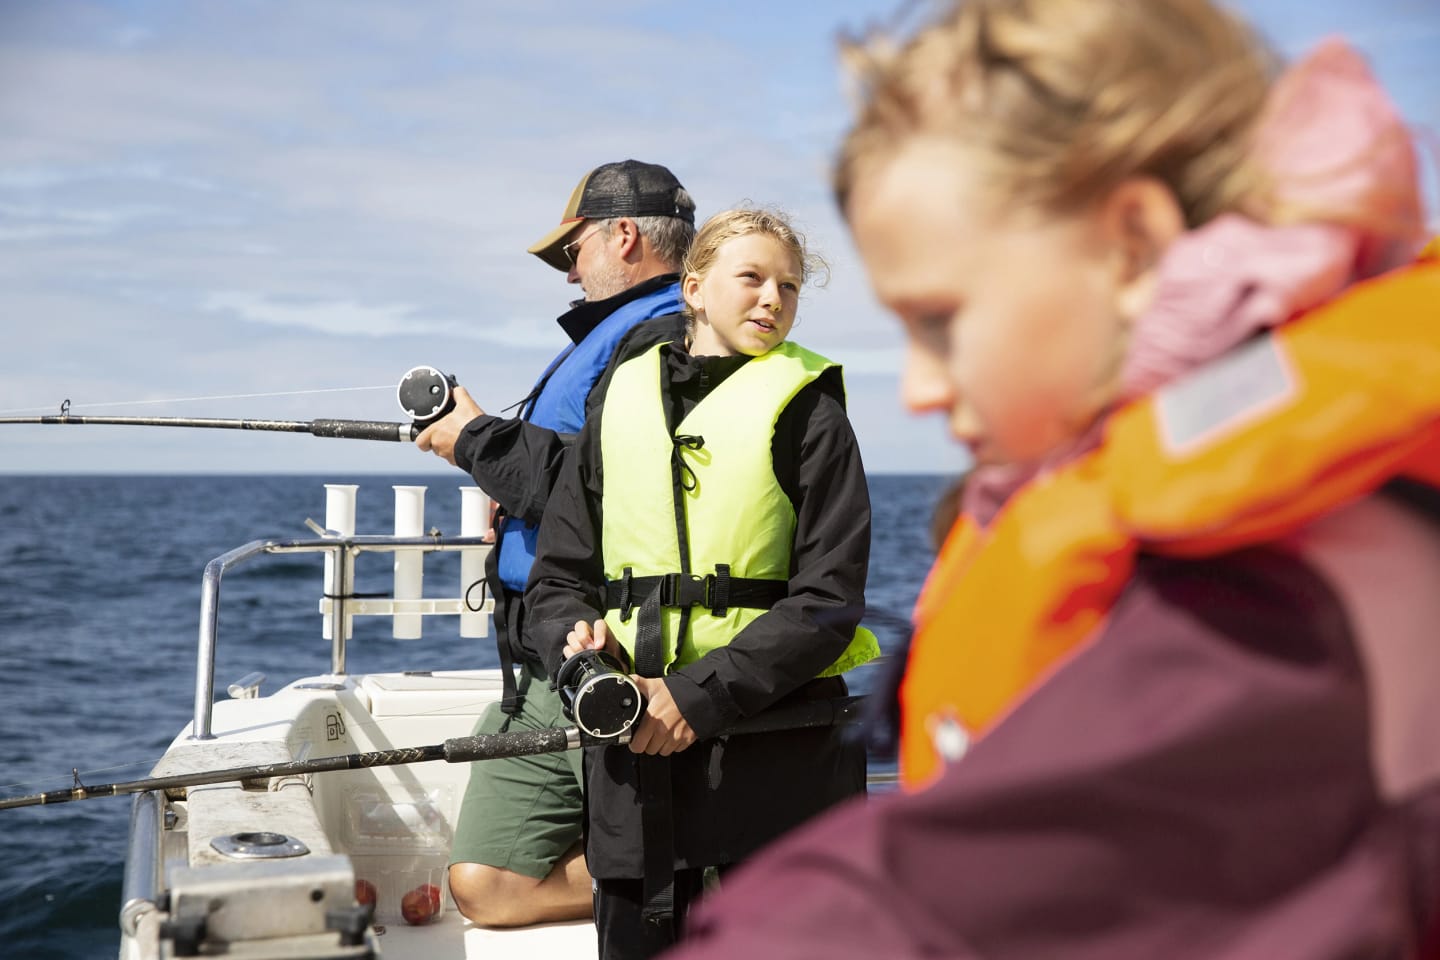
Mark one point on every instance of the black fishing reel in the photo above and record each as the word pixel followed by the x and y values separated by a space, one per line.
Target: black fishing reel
pixel 597 694
pixel 426 394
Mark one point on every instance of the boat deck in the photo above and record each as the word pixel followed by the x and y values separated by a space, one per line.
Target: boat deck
pixel 392 824
pixel 455 938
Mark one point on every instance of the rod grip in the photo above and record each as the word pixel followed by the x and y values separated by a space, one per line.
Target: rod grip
pixel 494 746
pixel 365 430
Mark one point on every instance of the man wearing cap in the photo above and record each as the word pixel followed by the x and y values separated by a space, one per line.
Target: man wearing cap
pixel 516 857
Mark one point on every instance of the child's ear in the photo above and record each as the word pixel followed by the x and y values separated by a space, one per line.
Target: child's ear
pixel 690 290
pixel 1143 218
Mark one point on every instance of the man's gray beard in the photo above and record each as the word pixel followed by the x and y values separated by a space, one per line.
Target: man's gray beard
pixel 605 281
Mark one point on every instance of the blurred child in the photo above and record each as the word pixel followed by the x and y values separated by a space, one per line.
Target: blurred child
pixel 714 526
pixel 1173 687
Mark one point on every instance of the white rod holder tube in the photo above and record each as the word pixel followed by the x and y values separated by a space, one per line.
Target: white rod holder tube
pixel 474 521
pixel 340 519
pixel 409 564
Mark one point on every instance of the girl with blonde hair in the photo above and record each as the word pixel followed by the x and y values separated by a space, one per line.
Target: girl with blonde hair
pixel 711 532
pixel 1172 687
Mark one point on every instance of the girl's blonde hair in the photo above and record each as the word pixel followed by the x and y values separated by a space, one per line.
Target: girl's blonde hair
pixel 1065 99
pixel 743 221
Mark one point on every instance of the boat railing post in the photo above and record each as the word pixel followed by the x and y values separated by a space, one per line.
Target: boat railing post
pixel 474 520
pixel 209 630
pixel 205 650
pixel 141 885
pixel 339 585
pixel 409 564
pixel 339 570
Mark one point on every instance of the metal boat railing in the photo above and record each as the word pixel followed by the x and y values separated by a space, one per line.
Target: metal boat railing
pixel 339 591
pixel 143 880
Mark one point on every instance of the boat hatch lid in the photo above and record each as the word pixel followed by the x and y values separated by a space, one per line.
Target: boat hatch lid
pixel 427 694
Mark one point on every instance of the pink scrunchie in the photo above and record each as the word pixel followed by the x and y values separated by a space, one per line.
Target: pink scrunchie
pixel 1332 140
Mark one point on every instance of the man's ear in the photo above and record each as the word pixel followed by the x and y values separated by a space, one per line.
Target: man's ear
pixel 628 232
pixel 1142 218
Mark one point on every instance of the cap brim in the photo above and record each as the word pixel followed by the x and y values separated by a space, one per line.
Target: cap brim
pixel 550 247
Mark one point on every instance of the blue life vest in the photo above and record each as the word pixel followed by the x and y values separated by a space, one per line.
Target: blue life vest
pixel 560 406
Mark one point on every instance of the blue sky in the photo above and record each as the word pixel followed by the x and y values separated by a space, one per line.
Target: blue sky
pixel 243 199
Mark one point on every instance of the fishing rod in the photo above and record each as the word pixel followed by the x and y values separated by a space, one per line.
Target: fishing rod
pixel 424 393
pixel 486 746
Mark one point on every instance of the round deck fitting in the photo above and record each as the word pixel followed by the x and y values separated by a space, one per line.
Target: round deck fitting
pixel 259 845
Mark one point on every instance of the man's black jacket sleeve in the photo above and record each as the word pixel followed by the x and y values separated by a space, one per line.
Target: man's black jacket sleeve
pixel 517 462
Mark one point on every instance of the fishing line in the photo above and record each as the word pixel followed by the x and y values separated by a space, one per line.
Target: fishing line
pixel 230 396
pixel 88 773
pixel 92 772
pixel 424 393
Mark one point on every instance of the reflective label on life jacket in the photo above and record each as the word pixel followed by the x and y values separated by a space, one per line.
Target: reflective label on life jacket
pixel 1251 381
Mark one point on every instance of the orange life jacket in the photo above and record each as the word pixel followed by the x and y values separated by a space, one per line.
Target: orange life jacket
pixel 1248 449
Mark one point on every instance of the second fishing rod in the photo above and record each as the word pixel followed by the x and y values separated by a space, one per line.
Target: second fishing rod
pixel 603 703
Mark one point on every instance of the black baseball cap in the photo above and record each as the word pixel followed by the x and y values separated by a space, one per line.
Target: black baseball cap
pixel 629 188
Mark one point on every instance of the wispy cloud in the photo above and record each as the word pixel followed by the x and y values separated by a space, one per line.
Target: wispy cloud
pixel 349 318
pixel 339 318
pixel 226 198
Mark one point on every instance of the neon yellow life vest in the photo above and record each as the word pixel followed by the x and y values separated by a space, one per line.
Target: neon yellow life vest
pixel 735 511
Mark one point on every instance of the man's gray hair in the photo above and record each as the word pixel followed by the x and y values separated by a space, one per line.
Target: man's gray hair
pixel 669 236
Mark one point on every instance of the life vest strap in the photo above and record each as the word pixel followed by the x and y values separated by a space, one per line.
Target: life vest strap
pixel 717 591
pixel 657 831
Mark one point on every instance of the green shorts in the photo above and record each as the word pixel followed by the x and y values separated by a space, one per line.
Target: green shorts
pixel 522 813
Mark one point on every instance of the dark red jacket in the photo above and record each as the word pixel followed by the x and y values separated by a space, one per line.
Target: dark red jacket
pixel 1201 782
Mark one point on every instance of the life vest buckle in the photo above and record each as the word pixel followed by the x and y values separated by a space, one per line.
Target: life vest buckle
pixel 685 590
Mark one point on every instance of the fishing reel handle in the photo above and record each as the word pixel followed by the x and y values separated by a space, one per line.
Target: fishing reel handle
pixel 426 395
